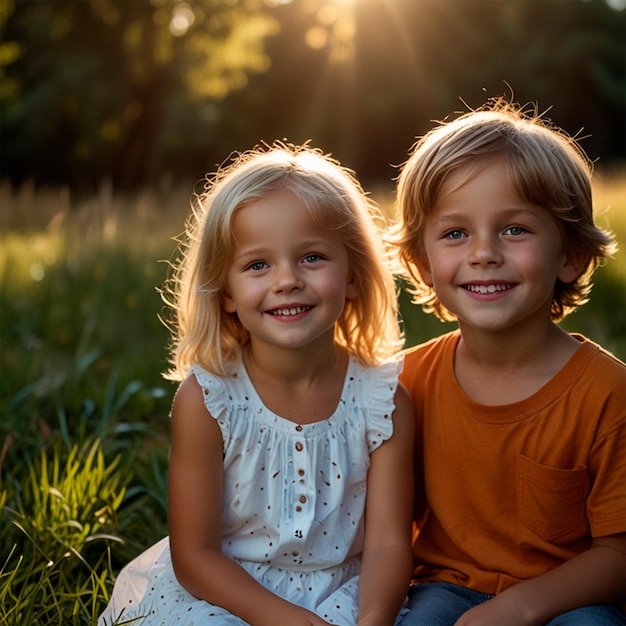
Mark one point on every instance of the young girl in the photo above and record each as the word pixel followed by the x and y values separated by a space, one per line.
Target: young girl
pixel 289 414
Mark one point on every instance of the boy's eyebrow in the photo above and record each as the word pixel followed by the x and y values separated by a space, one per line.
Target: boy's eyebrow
pixel 448 217
pixel 506 213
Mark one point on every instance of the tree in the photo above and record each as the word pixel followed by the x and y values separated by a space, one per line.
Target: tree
pixel 134 89
pixel 100 86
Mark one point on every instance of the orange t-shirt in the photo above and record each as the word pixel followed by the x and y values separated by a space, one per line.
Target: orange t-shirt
pixel 506 493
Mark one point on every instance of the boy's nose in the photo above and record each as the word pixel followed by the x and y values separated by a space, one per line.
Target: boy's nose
pixel 485 251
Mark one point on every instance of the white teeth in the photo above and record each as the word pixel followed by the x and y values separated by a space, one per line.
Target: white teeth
pixel 487 288
pixel 291 311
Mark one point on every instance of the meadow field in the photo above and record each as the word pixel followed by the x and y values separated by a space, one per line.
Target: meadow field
pixel 83 405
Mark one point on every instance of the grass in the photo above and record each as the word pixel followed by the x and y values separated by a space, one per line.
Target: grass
pixel 83 406
pixel 64 505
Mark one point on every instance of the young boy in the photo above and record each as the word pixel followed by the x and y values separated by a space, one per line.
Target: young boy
pixel 521 451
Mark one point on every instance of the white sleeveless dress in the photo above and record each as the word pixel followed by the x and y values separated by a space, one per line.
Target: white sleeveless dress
pixel 294 498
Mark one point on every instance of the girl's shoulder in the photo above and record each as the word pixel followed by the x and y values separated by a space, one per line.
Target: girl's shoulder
pixel 234 371
pixel 218 393
pixel 388 367
pixel 374 388
pixel 375 378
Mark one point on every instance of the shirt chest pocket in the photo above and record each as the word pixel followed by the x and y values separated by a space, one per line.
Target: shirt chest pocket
pixel 551 501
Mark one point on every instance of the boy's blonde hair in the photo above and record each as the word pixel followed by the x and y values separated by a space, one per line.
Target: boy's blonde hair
pixel 202 331
pixel 546 167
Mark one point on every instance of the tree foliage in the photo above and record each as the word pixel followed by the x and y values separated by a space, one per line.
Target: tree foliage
pixel 96 87
pixel 134 90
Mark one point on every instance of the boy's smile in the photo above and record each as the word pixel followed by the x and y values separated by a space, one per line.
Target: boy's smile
pixel 290 278
pixel 492 258
pixel 489 288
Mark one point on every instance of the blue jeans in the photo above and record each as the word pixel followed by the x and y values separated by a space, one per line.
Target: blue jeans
pixel 441 604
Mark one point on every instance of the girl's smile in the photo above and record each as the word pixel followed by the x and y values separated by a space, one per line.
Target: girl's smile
pixel 290 313
pixel 287 270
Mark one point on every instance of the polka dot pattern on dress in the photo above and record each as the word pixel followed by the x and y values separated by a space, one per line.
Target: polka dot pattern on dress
pixel 294 497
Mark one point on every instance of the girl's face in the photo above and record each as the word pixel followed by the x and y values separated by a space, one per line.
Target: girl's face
pixel 289 278
pixel 492 259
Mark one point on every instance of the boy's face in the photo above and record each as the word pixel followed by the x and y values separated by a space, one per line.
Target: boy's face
pixel 492 259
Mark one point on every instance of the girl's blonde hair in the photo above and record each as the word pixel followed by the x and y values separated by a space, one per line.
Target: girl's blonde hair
pixel 546 167
pixel 202 331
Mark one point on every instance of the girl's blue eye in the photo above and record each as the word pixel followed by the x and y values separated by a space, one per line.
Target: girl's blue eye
pixel 311 258
pixel 257 265
pixel 515 230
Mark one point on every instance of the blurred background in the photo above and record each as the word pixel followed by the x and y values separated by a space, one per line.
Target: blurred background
pixel 145 91
pixel 111 114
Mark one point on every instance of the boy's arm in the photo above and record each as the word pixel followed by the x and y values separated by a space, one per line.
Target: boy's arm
pixel 597 576
pixel 195 521
pixel 387 555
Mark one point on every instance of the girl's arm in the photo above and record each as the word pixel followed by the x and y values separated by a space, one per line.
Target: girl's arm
pixel 596 576
pixel 387 554
pixel 195 521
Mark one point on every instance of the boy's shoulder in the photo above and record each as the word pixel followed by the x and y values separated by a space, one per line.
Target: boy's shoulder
pixel 592 365
pixel 600 363
pixel 441 344
pixel 429 358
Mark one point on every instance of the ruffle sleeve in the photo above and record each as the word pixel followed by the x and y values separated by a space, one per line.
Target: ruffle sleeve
pixel 216 399
pixel 383 382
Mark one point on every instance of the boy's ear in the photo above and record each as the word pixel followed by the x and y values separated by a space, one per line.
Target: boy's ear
pixel 574 264
pixel 228 303
pixel 423 267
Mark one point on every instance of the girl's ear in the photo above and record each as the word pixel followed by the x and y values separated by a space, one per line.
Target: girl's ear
pixel 228 303
pixel 352 288
pixel 574 264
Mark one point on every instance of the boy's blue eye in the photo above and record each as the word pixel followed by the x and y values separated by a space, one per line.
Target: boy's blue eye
pixel 454 234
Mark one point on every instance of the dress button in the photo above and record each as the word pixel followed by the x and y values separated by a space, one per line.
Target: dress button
pixel 300 472
pixel 302 499
pixel 299 428
pixel 298 509
pixel 299 446
pixel 295 553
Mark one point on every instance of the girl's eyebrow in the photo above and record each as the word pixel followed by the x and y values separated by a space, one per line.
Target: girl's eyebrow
pixel 304 245
pixel 246 256
pixel 251 252
pixel 314 243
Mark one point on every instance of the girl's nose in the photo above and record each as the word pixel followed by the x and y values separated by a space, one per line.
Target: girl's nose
pixel 485 251
pixel 287 279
